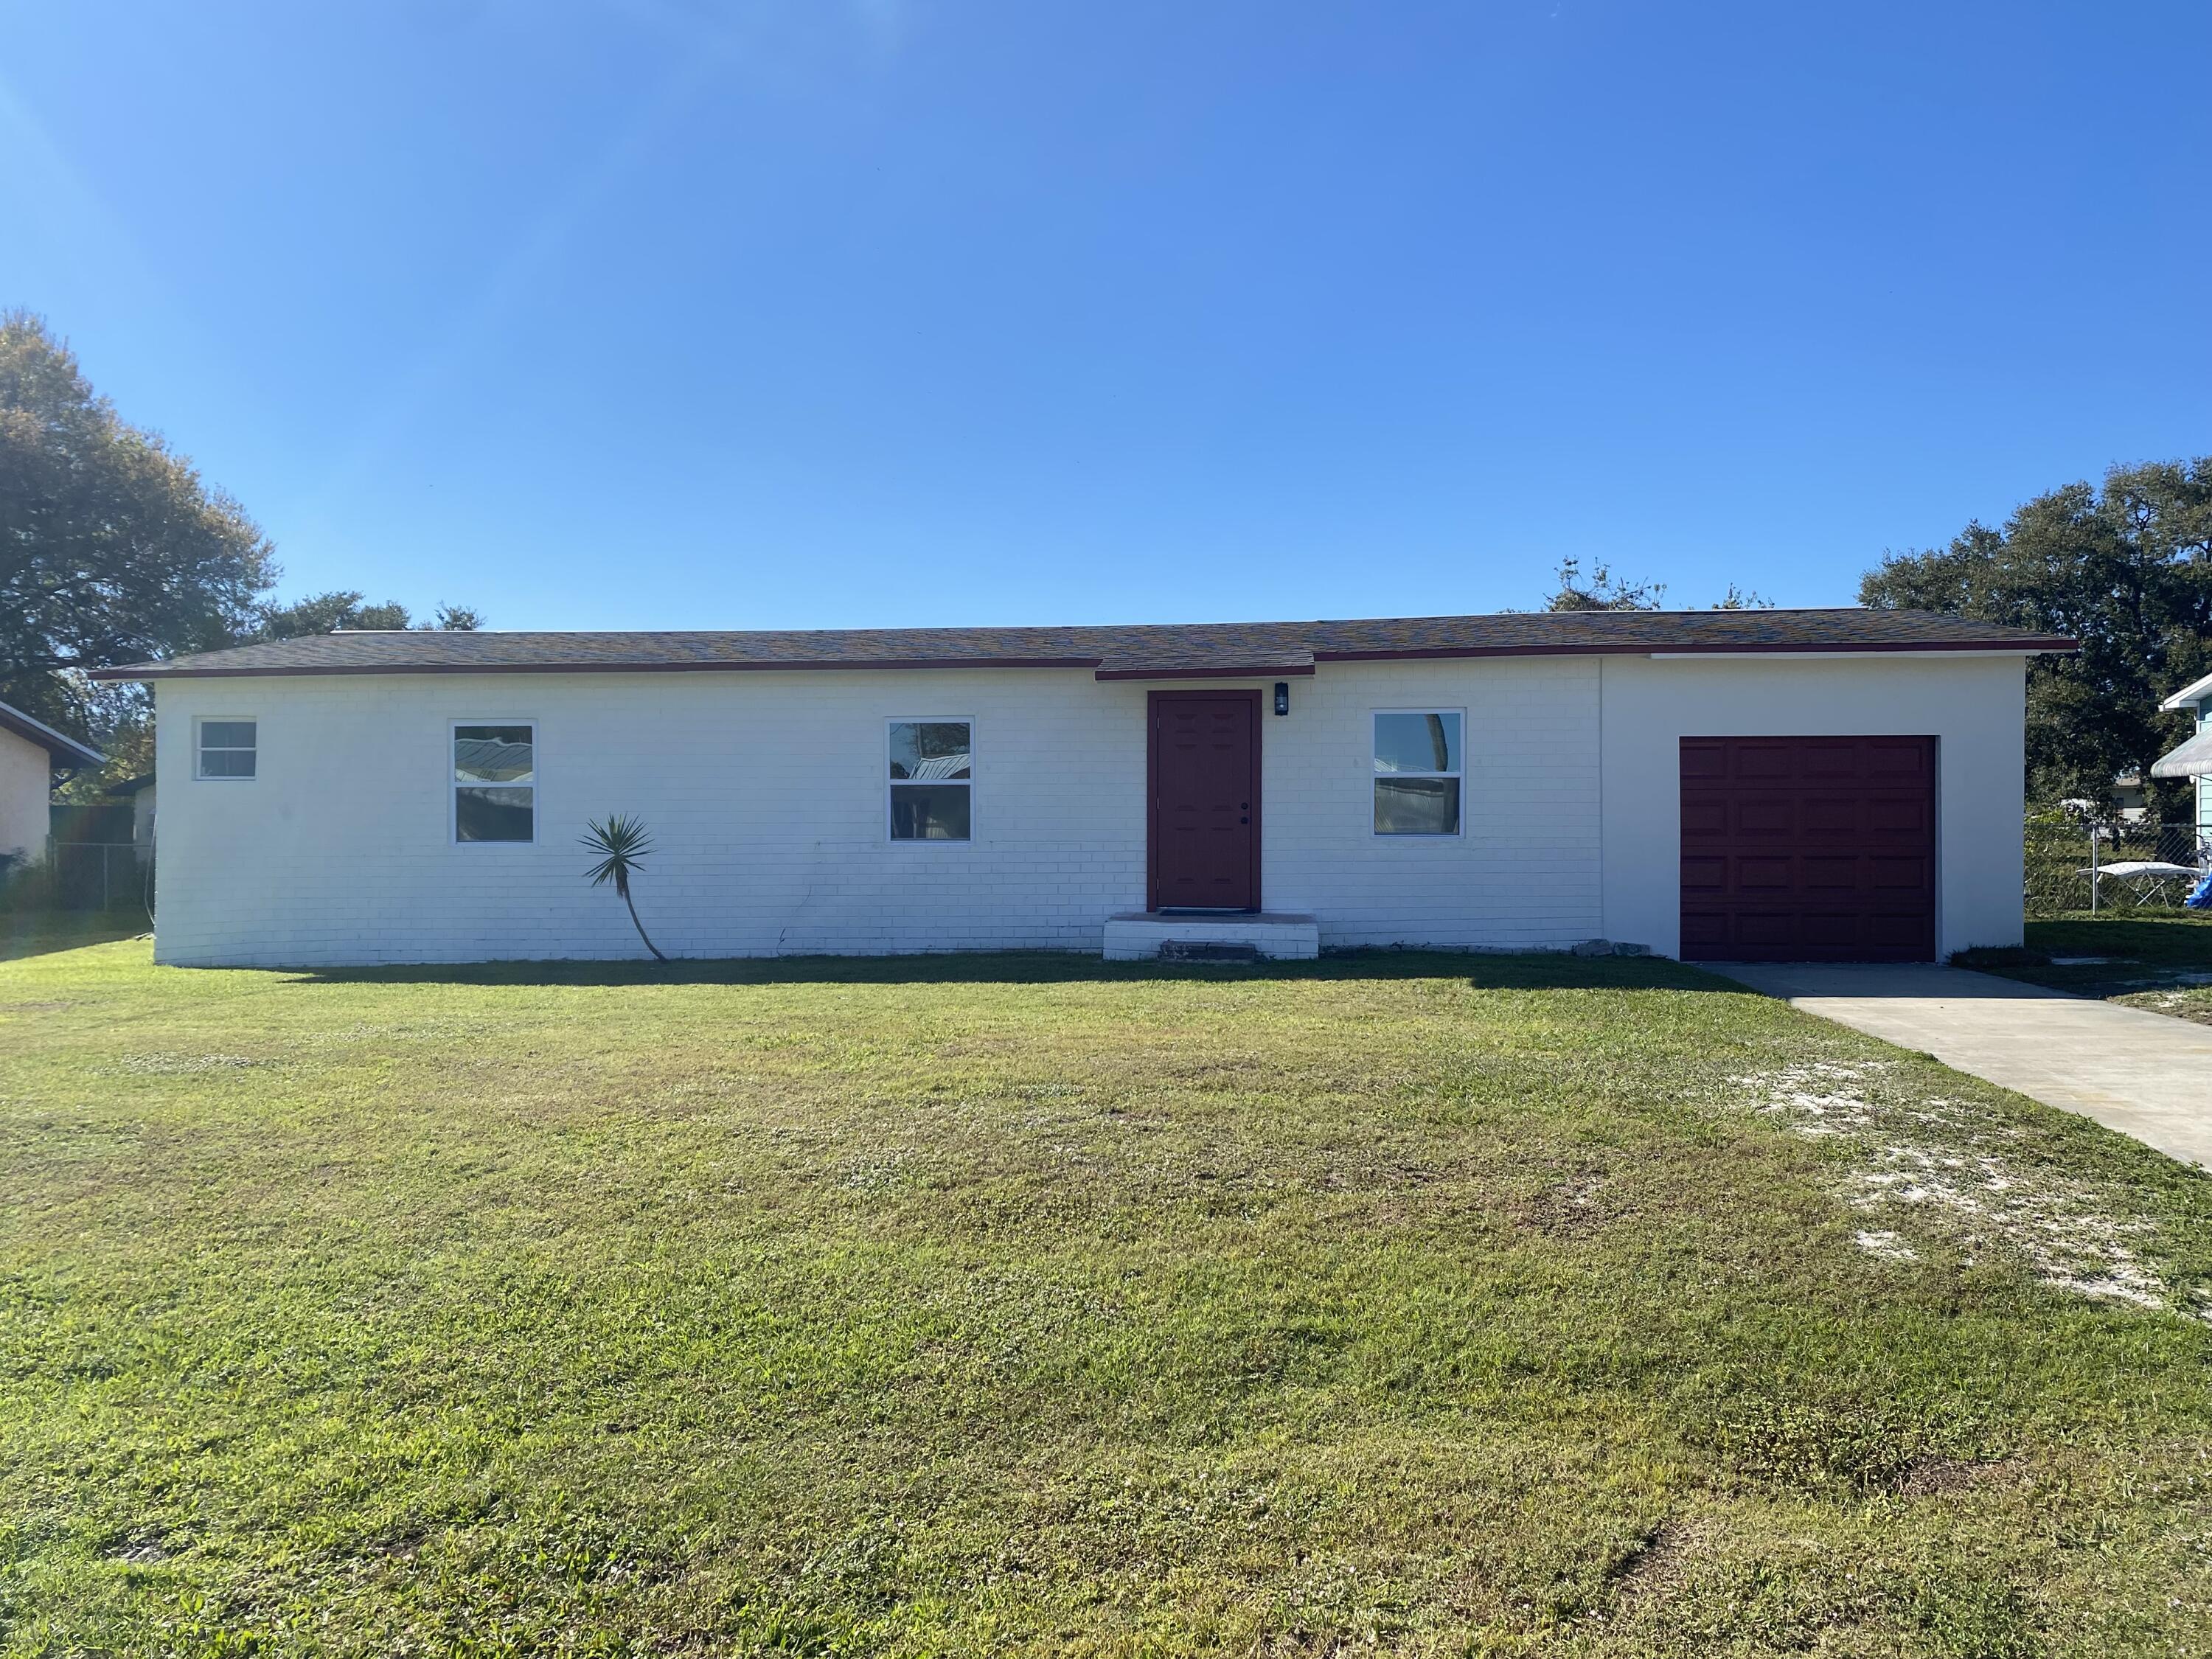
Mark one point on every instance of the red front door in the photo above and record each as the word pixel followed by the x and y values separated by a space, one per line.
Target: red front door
pixel 1206 800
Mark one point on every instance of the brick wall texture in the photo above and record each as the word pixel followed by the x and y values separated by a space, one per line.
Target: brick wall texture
pixel 766 794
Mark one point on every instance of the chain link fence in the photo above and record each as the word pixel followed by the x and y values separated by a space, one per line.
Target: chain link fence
pixel 2071 860
pixel 114 877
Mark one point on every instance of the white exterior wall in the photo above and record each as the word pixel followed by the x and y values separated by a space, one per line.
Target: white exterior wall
pixel 1975 707
pixel 766 794
pixel 25 784
pixel 1524 871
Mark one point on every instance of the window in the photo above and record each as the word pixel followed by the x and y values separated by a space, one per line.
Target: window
pixel 495 783
pixel 1417 773
pixel 932 779
pixel 227 749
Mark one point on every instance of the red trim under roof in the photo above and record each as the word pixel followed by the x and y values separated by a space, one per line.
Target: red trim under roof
pixel 1976 647
pixel 1253 671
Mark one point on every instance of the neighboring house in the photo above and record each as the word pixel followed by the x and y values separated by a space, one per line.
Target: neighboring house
pixel 1819 784
pixel 2130 802
pixel 2193 759
pixel 31 752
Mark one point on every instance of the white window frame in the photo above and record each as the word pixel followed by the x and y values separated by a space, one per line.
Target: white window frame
pixel 891 783
pixel 1374 777
pixel 454 786
pixel 200 773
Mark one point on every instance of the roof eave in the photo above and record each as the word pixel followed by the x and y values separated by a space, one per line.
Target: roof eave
pixel 60 747
pixel 2190 695
pixel 155 671
pixel 2034 646
pixel 1208 672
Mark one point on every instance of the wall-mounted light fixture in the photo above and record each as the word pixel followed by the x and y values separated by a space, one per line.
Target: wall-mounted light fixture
pixel 1282 696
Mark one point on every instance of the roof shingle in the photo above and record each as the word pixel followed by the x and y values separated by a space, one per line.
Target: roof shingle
pixel 1145 652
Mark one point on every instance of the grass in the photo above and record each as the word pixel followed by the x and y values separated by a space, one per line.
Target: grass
pixel 28 932
pixel 2163 963
pixel 1033 1305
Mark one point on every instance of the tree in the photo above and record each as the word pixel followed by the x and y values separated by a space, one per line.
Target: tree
pixel 112 548
pixel 2127 570
pixel 1603 592
pixel 326 613
pixel 1606 592
pixel 1742 598
pixel 622 842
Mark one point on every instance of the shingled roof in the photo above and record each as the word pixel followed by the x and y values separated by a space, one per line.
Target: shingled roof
pixel 1179 650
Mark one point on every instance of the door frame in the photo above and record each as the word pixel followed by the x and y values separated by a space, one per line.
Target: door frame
pixel 1152 701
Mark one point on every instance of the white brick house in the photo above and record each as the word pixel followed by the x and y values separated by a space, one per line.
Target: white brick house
pixel 1837 783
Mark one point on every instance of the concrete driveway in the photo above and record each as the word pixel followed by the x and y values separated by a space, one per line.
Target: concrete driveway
pixel 2146 1075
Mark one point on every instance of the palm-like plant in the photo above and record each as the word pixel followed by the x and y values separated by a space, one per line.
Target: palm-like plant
pixel 620 842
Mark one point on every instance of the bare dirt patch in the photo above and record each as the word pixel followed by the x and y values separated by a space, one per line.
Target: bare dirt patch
pixel 1925 1160
pixel 2194 1004
pixel 1933 1477
pixel 1569 1208
pixel 1658 1569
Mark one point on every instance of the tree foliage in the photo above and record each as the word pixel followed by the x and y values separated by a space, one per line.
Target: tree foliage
pixel 326 613
pixel 1742 598
pixel 1602 591
pixel 112 548
pixel 2127 570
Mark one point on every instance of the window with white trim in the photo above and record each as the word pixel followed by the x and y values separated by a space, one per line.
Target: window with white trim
pixel 933 780
pixel 228 749
pixel 1417 772
pixel 495 781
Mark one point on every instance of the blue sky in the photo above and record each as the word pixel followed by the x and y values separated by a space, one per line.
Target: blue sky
pixel 673 313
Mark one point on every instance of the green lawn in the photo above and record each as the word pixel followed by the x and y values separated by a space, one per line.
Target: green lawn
pixel 2162 963
pixel 1450 1305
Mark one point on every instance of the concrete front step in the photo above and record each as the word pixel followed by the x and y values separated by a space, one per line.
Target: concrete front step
pixel 1140 935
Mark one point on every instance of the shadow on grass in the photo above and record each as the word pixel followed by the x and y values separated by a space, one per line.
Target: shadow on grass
pixel 41 932
pixel 2183 941
pixel 2105 955
pixel 1533 971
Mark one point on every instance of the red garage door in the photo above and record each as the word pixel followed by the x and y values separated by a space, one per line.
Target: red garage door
pixel 1808 849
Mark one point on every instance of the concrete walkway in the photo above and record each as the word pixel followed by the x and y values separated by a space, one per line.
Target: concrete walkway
pixel 2146 1075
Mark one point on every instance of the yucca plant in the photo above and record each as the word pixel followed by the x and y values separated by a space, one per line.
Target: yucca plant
pixel 620 842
